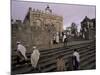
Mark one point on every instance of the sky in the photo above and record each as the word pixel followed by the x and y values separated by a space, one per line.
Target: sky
pixel 71 13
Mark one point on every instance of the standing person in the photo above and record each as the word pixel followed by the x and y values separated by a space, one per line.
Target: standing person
pixel 21 52
pixel 54 39
pixel 60 37
pixel 35 58
pixel 60 63
pixel 76 60
pixel 65 41
pixel 64 37
pixel 57 38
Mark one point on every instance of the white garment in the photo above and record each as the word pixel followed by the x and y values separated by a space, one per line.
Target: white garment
pixel 35 57
pixel 22 49
pixel 57 38
pixel 64 37
pixel 77 56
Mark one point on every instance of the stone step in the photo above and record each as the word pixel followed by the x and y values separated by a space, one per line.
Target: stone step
pixel 51 54
pixel 56 49
pixel 82 60
pixel 84 51
pixel 69 46
pixel 66 55
pixel 53 58
pixel 87 60
pixel 50 50
pixel 59 51
pixel 51 67
pixel 89 66
pixel 46 60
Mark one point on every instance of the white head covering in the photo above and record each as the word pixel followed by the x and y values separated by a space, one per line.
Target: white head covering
pixel 18 42
pixel 22 49
pixel 34 47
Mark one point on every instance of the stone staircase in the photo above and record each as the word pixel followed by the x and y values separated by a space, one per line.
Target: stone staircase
pixel 48 58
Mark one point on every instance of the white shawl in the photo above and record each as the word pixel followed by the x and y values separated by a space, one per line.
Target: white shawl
pixel 64 37
pixel 77 56
pixel 35 57
pixel 22 49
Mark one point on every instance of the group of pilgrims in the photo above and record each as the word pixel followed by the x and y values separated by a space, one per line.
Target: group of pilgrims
pixel 60 38
pixel 35 56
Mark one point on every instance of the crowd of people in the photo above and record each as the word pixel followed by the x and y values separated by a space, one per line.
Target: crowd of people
pixel 60 38
pixel 35 56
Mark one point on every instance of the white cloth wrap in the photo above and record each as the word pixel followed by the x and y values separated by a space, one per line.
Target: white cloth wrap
pixel 22 49
pixel 77 56
pixel 35 57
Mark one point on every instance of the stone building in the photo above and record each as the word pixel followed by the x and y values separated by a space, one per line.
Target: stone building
pixel 38 28
pixel 88 28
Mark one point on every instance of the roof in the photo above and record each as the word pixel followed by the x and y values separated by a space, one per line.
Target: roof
pixel 86 19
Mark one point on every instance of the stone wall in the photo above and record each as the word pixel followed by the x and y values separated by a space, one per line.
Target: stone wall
pixel 38 29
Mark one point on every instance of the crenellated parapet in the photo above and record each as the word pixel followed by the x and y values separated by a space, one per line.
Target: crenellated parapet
pixel 40 18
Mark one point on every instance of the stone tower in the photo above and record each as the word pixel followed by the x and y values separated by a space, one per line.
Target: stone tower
pixel 39 27
pixel 48 10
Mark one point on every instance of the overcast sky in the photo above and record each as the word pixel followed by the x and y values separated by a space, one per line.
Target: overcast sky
pixel 70 13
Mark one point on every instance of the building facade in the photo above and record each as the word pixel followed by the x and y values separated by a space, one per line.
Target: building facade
pixel 88 28
pixel 38 28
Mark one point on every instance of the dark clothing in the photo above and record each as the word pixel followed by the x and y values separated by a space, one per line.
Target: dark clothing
pixel 75 63
pixel 20 59
pixel 65 42
pixel 54 41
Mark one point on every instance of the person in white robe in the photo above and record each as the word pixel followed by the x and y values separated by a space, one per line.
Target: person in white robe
pixel 76 59
pixel 57 37
pixel 64 37
pixel 35 57
pixel 22 50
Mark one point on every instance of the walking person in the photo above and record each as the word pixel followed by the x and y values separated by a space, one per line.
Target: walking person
pixel 21 53
pixel 76 60
pixel 60 63
pixel 35 58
